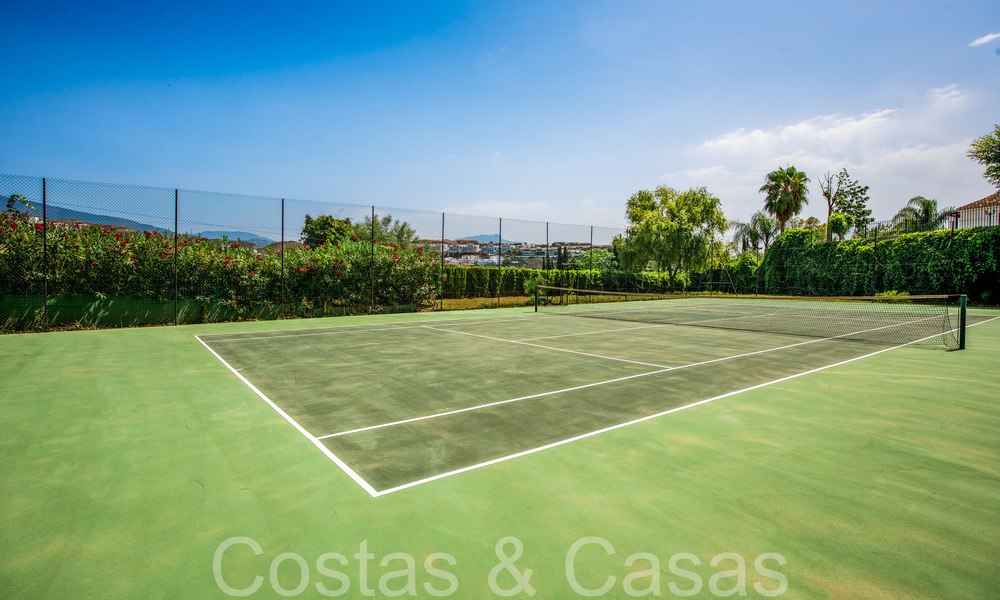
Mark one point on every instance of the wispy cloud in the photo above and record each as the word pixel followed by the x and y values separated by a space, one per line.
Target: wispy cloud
pixel 898 152
pixel 986 39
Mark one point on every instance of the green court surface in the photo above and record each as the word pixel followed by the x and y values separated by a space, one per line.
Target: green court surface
pixel 443 454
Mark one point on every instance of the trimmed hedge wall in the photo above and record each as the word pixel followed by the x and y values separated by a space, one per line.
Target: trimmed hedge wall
pixel 486 282
pixel 966 261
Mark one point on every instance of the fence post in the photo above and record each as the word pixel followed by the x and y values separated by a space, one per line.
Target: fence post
pixel 499 261
pixel 441 277
pixel 45 258
pixel 371 273
pixel 282 258
pixel 176 222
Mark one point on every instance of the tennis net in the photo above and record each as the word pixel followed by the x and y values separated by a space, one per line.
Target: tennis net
pixel 887 320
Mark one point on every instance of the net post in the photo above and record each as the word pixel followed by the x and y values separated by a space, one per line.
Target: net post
pixel 536 296
pixel 961 321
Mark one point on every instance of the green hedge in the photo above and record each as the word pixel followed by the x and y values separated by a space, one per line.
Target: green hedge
pixel 486 282
pixel 966 261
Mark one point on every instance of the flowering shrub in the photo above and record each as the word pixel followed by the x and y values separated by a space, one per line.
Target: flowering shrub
pixel 108 261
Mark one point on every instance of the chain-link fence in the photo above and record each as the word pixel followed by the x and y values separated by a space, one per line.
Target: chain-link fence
pixel 83 254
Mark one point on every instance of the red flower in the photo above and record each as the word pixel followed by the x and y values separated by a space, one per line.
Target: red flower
pixel 235 245
pixel 39 226
pixel 301 271
pixel 227 262
pixel 163 256
pixel 135 260
pixel 94 264
pixel 356 240
pixel 252 274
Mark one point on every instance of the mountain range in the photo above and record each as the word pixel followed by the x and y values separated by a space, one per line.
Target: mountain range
pixel 488 238
pixel 58 212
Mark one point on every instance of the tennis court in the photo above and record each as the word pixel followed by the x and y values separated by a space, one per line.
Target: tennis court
pixel 133 457
pixel 408 402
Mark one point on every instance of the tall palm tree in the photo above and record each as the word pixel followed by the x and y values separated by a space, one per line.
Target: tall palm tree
pixel 786 194
pixel 921 214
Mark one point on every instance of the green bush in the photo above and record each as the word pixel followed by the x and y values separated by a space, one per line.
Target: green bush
pixel 966 261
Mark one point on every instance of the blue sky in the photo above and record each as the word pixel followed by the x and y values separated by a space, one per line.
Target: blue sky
pixel 551 111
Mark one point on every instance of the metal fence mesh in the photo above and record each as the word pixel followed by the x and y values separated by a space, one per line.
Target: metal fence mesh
pixel 85 254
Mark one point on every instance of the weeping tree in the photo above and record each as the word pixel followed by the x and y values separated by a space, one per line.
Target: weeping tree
pixel 675 230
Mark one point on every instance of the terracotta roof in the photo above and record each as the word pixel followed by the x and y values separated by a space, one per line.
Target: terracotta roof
pixel 991 200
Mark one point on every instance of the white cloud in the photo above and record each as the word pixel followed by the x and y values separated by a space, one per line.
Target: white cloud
pixel 986 39
pixel 898 152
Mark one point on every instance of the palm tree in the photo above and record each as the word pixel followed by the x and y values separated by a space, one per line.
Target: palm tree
pixel 921 214
pixel 786 194
pixel 760 229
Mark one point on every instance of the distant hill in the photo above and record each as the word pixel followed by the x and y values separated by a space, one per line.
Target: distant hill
pixel 243 236
pixel 488 238
pixel 57 212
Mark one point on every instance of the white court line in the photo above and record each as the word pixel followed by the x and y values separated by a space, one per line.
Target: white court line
pixel 647 418
pixel 410 325
pixel 496 339
pixel 202 335
pixel 589 385
pixel 376 493
pixel 549 337
pixel 635 362
pixel 329 453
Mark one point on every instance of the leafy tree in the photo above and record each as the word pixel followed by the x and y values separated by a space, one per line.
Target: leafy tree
pixel 597 259
pixel 674 229
pixel 324 229
pixel 921 214
pixel 786 193
pixel 845 196
pixel 986 151
pixel 386 231
pixel 626 255
pixel 562 258
pixel 839 224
